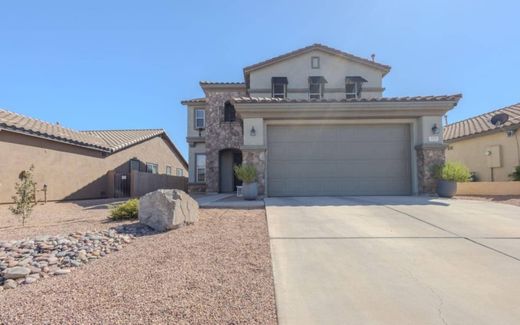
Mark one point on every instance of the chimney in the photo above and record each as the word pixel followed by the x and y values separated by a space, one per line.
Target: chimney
pixel 373 56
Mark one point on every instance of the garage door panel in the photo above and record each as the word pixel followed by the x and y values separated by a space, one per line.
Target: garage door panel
pixel 338 160
pixel 351 169
pixel 335 151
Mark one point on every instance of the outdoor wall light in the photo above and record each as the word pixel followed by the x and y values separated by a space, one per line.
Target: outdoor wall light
pixel 252 132
pixel 435 129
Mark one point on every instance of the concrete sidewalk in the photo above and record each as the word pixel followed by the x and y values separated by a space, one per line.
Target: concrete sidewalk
pixel 395 260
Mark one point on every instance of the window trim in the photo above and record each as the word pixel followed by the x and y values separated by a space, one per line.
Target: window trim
pixel 179 172
pixel 284 94
pixel 355 93
pixel 152 164
pixel 317 60
pixel 166 170
pixel 197 168
pixel 196 118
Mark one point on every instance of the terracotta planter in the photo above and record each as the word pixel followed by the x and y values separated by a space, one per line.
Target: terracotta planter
pixel 250 191
pixel 446 188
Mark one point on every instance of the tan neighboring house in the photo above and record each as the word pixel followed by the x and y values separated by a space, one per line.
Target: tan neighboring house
pixel 315 122
pixel 491 152
pixel 81 164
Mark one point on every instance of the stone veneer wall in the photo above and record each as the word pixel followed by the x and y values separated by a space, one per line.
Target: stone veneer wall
pixel 427 157
pixel 256 157
pixel 220 135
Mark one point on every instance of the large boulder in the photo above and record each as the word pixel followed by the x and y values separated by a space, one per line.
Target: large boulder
pixel 167 209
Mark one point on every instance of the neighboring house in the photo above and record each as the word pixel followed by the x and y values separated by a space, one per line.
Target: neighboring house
pixel 314 122
pixel 74 164
pixel 491 152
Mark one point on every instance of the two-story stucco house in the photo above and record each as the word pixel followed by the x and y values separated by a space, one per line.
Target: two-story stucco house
pixel 314 122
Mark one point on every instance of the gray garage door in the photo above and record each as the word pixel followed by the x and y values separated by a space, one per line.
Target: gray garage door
pixel 315 160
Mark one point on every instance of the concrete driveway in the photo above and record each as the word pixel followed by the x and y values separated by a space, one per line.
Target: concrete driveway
pixel 395 260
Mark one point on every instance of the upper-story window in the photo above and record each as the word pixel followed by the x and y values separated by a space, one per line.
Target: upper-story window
pixel 200 119
pixel 279 87
pixel 353 86
pixel 229 112
pixel 315 62
pixel 316 87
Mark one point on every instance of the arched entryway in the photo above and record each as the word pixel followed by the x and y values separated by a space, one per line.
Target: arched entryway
pixel 228 158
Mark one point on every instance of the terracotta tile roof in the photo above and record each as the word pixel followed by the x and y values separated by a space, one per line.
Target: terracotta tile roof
pixel 120 139
pixel 194 101
pixel 481 124
pixel 31 126
pixel 385 68
pixel 247 100
pixel 221 83
pixel 104 140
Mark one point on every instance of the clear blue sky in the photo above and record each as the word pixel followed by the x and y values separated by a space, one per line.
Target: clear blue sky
pixel 128 64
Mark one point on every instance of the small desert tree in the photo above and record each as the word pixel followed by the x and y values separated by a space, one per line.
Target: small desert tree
pixel 25 198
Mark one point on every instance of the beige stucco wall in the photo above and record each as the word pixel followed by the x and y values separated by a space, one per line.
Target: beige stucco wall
pixel 72 172
pixel 192 132
pixel 472 153
pixel 298 69
pixel 488 188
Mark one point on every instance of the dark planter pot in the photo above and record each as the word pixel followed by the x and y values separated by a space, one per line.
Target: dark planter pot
pixel 446 188
pixel 250 191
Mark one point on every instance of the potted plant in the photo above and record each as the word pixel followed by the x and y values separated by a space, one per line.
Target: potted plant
pixel 247 174
pixel 448 175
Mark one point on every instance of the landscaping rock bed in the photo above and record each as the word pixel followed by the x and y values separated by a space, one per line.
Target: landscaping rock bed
pixel 25 261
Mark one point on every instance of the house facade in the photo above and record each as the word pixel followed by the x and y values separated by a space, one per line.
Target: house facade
pixel 82 164
pixel 315 122
pixel 490 151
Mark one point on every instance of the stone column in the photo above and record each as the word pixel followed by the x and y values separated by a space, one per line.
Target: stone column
pixel 256 157
pixel 428 155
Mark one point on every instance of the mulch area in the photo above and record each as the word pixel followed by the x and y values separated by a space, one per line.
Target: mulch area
pixel 217 271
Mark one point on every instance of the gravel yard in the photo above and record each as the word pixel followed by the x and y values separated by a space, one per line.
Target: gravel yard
pixel 55 218
pixel 216 271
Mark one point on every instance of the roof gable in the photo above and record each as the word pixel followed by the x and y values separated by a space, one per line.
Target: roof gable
pixel 315 47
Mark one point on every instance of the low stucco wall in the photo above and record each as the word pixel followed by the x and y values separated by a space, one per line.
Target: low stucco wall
pixel 488 188
pixel 142 183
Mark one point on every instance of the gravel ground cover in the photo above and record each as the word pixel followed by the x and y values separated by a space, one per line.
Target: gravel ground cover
pixel 217 271
pixel 57 218
pixel 505 199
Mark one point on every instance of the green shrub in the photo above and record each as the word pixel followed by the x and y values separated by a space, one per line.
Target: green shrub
pixel 25 198
pixel 452 171
pixel 246 173
pixel 124 211
pixel 516 174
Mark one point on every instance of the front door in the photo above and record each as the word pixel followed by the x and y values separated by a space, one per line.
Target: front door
pixel 227 160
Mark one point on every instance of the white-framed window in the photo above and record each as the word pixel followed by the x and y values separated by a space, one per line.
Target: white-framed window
pixel 152 168
pixel 200 119
pixel 179 172
pixel 315 90
pixel 351 90
pixel 168 170
pixel 315 62
pixel 200 168
pixel 279 90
